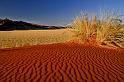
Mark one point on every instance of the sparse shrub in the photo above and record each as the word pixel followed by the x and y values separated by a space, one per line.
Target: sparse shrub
pixel 84 27
pixel 107 28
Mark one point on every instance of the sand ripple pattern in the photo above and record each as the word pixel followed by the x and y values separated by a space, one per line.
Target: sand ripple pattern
pixel 61 63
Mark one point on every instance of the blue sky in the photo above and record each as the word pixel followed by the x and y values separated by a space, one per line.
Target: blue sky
pixel 53 12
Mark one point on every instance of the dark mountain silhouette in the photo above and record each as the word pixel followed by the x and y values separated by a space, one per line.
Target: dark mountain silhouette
pixel 8 25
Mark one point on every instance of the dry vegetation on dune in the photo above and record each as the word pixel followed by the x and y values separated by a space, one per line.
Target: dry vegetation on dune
pixel 65 62
pixel 9 39
pixel 106 29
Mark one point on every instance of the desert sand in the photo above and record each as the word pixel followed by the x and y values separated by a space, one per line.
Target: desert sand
pixel 61 62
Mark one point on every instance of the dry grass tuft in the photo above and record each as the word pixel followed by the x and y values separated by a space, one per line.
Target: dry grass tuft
pixel 83 27
pixel 107 28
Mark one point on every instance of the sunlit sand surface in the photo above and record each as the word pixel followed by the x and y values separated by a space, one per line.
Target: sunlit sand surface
pixel 62 62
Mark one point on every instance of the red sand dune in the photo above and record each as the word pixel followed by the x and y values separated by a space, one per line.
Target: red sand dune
pixel 62 62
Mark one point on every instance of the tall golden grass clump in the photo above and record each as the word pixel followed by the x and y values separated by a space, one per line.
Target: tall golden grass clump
pixel 83 27
pixel 107 28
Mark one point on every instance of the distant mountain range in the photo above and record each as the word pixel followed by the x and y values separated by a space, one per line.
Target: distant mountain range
pixel 8 25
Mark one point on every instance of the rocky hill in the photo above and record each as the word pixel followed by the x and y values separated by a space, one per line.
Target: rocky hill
pixel 8 25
